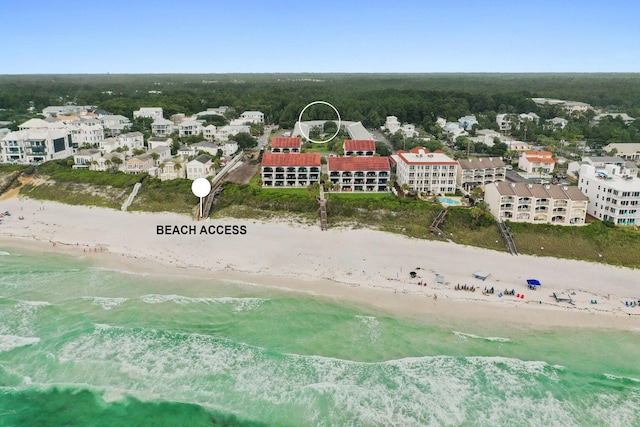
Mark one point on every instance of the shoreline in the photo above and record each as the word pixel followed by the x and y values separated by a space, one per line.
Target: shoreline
pixel 363 267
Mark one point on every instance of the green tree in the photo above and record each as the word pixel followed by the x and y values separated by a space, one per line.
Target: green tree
pixel 244 140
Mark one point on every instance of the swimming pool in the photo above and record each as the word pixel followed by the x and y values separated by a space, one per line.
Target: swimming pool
pixel 449 201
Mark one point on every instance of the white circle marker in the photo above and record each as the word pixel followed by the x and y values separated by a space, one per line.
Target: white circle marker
pixel 201 187
pixel 307 136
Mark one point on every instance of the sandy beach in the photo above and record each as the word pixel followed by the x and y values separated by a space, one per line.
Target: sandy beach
pixel 360 266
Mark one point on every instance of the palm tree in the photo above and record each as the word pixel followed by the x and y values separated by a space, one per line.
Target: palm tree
pixel 405 189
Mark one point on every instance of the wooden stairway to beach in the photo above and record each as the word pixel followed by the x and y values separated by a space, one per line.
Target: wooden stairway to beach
pixel 507 237
pixel 323 210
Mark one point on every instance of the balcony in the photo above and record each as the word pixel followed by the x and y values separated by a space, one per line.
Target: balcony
pixel 371 174
pixel 315 169
pixel 279 169
pixel 560 203
pixel 371 181
pixel 334 174
pixel 291 169
pixel 303 169
pixel 267 176
pixel 383 174
pixel 508 206
pixel 268 169
pixel 279 176
pixel 359 175
pixel 507 199
pixel 349 174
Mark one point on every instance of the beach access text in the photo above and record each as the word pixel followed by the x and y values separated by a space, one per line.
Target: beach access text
pixel 204 229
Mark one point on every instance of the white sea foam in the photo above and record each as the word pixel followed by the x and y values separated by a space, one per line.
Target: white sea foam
pixel 4 253
pixel 240 304
pixel 106 303
pixel 35 304
pixel 115 270
pixel 466 336
pixel 10 342
pixel 619 377
pixel 434 390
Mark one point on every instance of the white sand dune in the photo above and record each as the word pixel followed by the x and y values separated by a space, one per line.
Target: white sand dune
pixel 362 266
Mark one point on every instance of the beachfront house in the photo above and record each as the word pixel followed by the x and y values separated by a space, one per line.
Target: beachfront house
pixel 139 164
pixel 114 125
pixel 84 159
pixel 86 132
pixel 480 172
pixel 189 128
pixel 200 167
pixel 613 192
pixel 425 172
pixel 290 169
pixel 360 173
pixel 359 147
pixel 131 141
pixel 171 169
pixel 286 145
pixel 155 142
pixel 209 132
pixel 536 203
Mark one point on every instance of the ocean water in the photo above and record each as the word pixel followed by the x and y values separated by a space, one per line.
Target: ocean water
pixel 86 346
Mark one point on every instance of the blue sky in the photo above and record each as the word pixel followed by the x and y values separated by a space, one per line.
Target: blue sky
pixel 324 36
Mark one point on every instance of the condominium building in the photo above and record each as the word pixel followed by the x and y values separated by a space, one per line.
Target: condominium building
pixel 614 194
pixel 479 172
pixel 425 172
pixel 150 112
pixel 36 141
pixel 536 203
pixel 359 173
pixel 359 147
pixel 290 169
pixel 286 145
pixel 86 131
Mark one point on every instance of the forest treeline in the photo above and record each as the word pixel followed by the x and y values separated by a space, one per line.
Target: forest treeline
pixel 413 98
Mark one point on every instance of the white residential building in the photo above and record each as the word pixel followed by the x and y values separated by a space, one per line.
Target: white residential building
pixel 131 140
pixel 189 128
pixel 163 152
pixel 225 132
pixel 208 147
pixel 557 123
pixel 536 203
pixel 532 117
pixel 569 106
pixel 600 163
pixel 150 112
pixel 186 151
pixel 357 147
pixel 200 167
pixel 114 125
pixel 252 117
pixel 425 172
pixel 107 161
pixel 36 141
pixel 628 151
pixel 613 195
pixel 84 159
pixel 139 164
pixel 219 111
pixel 359 173
pixel 624 116
pixel 229 148
pixel 393 125
pixel 480 172
pixel 290 169
pixel 537 163
pixel 169 169
pixel 64 110
pixel 281 144
pixel 504 121
pixel 86 131
pixel 155 142
pixel 209 132
pixel 162 127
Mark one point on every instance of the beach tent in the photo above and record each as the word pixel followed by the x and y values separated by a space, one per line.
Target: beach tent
pixel 481 274
pixel 533 282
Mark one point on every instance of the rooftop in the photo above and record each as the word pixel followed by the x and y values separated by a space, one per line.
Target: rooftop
pixel 358 163
pixel 481 163
pixel 422 156
pixel 540 191
pixel 282 142
pixel 291 159
pixel 359 145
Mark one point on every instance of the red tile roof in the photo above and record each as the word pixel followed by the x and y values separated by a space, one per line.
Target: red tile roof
pixel 281 142
pixel 291 159
pixel 359 145
pixel 540 159
pixel 358 163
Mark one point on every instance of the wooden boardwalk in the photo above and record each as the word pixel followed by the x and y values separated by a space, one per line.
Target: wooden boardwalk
pixel 507 237
pixel 323 210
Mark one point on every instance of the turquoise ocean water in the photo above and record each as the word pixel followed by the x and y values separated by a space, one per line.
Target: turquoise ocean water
pixel 85 346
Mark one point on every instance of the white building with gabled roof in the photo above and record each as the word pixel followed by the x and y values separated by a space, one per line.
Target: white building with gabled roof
pixel 252 117
pixel 200 167
pixel 150 112
pixel 162 127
